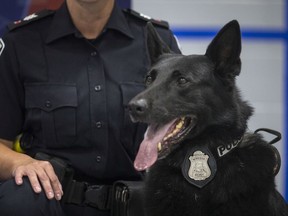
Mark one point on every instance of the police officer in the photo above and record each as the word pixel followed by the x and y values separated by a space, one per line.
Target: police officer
pixel 66 77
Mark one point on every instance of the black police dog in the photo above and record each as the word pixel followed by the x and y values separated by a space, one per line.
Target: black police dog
pixel 204 161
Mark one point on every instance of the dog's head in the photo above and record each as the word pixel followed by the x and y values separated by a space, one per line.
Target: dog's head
pixel 185 95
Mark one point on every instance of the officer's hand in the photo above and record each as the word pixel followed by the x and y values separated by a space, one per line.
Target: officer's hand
pixel 41 176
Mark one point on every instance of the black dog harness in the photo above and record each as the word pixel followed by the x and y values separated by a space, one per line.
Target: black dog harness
pixel 199 166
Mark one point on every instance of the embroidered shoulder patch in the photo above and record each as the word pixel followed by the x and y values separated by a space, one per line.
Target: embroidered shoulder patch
pixel 2 46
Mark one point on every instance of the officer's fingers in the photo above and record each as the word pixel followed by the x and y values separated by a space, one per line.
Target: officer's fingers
pixel 40 173
pixel 20 171
pixel 55 183
pixel 44 176
pixel 18 176
pixel 33 178
pixel 28 171
pixel 57 190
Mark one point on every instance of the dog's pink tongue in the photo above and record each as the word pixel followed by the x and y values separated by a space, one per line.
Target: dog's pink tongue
pixel 148 152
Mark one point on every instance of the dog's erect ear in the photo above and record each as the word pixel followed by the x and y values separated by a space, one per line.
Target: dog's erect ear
pixel 156 46
pixel 225 49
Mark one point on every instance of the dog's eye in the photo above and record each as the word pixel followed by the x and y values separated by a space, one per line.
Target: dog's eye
pixel 182 81
pixel 148 80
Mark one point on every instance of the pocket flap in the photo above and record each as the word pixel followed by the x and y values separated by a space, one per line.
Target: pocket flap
pixel 49 96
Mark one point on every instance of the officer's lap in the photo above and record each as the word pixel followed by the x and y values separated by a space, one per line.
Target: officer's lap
pixel 22 200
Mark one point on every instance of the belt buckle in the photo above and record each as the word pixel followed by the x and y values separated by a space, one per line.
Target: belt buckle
pixel 97 196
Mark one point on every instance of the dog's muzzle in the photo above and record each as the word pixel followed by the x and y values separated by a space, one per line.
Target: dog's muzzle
pixel 138 109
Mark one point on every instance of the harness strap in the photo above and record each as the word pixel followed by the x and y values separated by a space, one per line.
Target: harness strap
pixel 277 156
pixel 273 132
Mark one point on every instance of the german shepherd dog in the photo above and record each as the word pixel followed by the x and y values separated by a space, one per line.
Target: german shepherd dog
pixel 202 160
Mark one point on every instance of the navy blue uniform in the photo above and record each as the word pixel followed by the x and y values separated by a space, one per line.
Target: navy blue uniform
pixel 69 93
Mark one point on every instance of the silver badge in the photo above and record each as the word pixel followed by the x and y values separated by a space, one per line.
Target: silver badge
pixel 2 46
pixel 199 168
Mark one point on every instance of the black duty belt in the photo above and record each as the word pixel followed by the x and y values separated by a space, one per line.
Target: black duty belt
pixel 75 192
pixel 81 193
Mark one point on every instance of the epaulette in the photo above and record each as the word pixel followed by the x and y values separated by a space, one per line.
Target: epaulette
pixel 30 18
pixel 146 18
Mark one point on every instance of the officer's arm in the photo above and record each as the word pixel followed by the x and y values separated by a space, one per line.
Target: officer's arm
pixel 7 143
pixel 40 173
pixel 6 154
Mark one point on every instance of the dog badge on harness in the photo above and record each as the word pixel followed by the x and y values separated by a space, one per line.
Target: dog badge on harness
pixel 199 166
pixel 199 169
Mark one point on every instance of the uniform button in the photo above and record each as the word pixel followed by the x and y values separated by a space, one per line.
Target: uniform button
pixel 98 124
pixel 93 53
pixel 98 159
pixel 98 88
pixel 48 104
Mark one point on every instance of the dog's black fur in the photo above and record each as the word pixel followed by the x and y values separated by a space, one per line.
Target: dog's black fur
pixel 203 88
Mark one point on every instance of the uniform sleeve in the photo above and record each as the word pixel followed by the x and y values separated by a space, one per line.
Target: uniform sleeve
pixel 11 92
pixel 174 44
pixel 169 38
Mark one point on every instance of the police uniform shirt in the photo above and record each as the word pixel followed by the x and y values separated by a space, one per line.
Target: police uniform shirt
pixel 69 93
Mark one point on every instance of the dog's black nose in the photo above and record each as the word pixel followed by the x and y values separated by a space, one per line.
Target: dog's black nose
pixel 138 107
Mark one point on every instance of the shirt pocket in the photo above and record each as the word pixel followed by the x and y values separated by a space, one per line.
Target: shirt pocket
pixel 51 113
pixel 131 133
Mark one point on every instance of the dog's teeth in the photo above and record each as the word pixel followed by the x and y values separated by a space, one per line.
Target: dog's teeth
pixel 167 136
pixel 159 146
pixel 180 124
pixel 175 131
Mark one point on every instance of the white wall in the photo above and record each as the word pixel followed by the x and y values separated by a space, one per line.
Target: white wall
pixel 262 77
pixel 251 13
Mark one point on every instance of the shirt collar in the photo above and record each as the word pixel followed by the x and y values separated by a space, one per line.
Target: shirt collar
pixel 118 22
pixel 62 24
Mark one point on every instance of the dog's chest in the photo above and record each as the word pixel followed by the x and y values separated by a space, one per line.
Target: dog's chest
pixel 236 174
